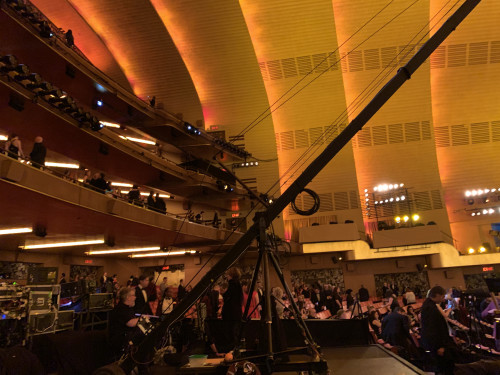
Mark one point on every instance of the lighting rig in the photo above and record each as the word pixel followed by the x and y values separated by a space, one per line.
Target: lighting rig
pixel 389 202
pixel 482 200
pixel 217 142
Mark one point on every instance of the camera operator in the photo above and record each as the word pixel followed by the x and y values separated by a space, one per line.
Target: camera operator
pixel 434 332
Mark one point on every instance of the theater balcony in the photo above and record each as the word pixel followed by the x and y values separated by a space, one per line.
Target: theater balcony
pixel 61 209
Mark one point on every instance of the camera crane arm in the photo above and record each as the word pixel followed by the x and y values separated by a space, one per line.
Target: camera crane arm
pixel 239 248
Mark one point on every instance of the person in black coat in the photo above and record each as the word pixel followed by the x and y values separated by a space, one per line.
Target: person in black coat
pixel 159 204
pixel 122 320
pixel 396 328
pixel 434 332
pixel 318 299
pixel 232 308
pixel 38 153
pixel 141 294
pixel 151 201
pixel 363 294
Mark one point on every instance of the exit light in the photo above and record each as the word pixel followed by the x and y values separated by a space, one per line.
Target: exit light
pixel 214 127
pixel 487 269
pixel 165 268
pixel 235 215
pixel 88 261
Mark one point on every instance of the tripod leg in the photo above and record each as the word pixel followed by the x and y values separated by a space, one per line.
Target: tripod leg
pixel 295 309
pixel 252 286
pixel 267 284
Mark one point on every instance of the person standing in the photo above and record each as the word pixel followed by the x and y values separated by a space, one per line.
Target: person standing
pixel 122 320
pixel 435 334
pixel 231 309
pixel 151 201
pixel 166 303
pixel 141 294
pixel 363 294
pixel 181 291
pixel 159 204
pixel 38 153
pixel 13 147
pixel 63 278
pixel 163 286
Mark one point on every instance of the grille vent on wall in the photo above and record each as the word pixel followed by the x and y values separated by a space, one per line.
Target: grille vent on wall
pixel 462 135
pixel 445 56
pixel 393 133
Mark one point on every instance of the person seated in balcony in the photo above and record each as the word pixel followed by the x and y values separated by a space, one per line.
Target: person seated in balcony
pixel 99 183
pixel 159 204
pixel 151 201
pixel 134 196
pixel 38 153
pixel 13 147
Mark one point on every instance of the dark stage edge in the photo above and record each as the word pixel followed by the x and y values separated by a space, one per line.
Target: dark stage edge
pixel 369 360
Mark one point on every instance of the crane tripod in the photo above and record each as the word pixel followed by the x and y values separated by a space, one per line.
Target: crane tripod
pixel 265 218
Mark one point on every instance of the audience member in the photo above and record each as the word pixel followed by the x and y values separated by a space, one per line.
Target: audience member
pixel 63 278
pixel 375 323
pixel 363 294
pixel 151 201
pixel 99 182
pixel 231 310
pixel 318 299
pixel 142 301
pixel 38 153
pixel 181 291
pixel 13 147
pixel 277 294
pixel 409 297
pixel 163 286
pixel 70 40
pixel 434 332
pixel 166 303
pixel 159 204
pixel 349 298
pixel 254 310
pixel 134 196
pixel 396 329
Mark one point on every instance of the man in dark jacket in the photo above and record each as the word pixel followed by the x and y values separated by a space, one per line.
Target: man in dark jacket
pixel 142 298
pixel 396 329
pixel 38 153
pixel 231 309
pixel 434 332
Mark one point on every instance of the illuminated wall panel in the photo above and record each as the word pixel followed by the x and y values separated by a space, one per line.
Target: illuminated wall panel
pixel 291 41
pixel 466 113
pixel 397 145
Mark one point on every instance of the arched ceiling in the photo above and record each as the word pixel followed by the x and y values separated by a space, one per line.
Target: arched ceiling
pixel 224 62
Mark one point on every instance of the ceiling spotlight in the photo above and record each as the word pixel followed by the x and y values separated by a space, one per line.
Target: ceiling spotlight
pixel 471 250
pixel 468 193
pixel 403 197
pixel 405 218
pixel 397 219
pixel 415 217
pixel 482 249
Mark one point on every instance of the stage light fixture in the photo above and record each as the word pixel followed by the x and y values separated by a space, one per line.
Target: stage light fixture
pixel 397 219
pixel 19 72
pixel 471 250
pixel 406 218
pixel 415 217
pixel 482 249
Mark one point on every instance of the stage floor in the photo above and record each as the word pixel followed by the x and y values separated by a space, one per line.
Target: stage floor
pixel 372 359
